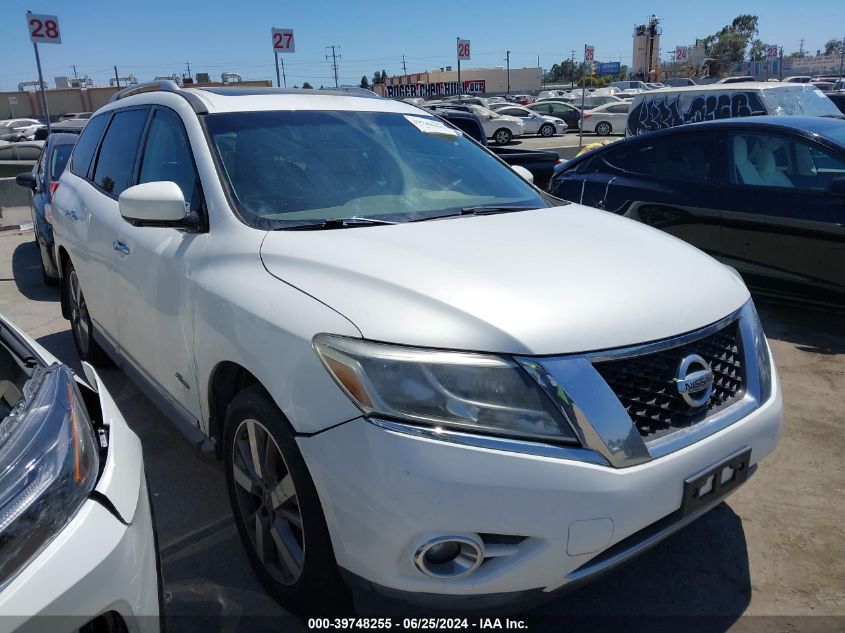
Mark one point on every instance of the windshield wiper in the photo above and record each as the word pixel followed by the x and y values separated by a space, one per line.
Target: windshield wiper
pixel 484 209
pixel 335 223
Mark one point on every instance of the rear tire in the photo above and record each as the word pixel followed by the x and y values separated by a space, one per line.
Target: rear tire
pixel 81 325
pixel 604 129
pixel 277 510
pixel 502 136
pixel 547 130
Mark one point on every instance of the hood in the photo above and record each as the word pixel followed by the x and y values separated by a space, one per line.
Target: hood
pixel 551 281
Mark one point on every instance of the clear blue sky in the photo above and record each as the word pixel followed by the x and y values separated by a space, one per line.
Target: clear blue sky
pixel 157 37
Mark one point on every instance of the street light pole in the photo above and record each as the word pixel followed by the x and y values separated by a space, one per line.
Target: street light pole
pixel 508 58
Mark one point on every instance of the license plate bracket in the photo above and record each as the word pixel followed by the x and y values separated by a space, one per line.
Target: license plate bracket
pixel 716 481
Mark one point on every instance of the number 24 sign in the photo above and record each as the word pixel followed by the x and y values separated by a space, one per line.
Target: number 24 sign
pixel 283 41
pixel 43 29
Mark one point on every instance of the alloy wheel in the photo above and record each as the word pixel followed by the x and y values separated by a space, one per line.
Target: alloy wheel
pixel 80 321
pixel 267 502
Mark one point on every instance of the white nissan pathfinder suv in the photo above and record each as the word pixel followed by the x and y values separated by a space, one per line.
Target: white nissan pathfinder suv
pixel 426 377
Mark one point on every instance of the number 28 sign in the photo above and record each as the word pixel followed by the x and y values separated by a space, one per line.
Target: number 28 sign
pixel 43 29
pixel 283 41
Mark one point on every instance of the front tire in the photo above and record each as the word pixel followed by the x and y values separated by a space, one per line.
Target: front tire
pixel 277 510
pixel 547 130
pixel 502 136
pixel 80 320
pixel 604 129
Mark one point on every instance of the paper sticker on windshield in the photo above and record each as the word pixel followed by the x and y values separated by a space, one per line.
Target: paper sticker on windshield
pixel 431 126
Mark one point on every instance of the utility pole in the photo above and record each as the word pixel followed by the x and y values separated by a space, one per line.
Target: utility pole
pixel 460 85
pixel 335 56
pixel 542 76
pixel 801 47
pixel 190 76
pixel 404 66
pixel 572 77
pixel 74 71
pixel 116 78
pixel 508 59
pixel 780 65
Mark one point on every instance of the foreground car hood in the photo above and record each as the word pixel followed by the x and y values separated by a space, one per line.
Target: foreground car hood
pixel 551 281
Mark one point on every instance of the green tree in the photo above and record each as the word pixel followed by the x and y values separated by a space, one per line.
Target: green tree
pixel 376 78
pixel 758 51
pixel 383 76
pixel 307 86
pixel 728 45
pixel 365 83
pixel 834 47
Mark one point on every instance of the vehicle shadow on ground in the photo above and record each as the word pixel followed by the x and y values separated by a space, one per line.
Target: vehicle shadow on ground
pixel 697 580
pixel 26 269
pixel 60 345
pixel 810 330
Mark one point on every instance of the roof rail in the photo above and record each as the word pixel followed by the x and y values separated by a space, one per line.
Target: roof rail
pixel 165 85
pixel 150 86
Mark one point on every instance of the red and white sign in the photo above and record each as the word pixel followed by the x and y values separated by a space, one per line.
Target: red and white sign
pixel 589 53
pixel 283 41
pixel 43 29
pixel 772 52
pixel 681 54
pixel 463 50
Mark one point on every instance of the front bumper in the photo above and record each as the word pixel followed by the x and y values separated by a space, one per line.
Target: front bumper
pixel 385 493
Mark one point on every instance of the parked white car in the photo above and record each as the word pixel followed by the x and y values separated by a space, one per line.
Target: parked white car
pixel 419 373
pixel 551 94
pixel 534 122
pixel 607 119
pixel 502 129
pixel 78 543
pixel 17 129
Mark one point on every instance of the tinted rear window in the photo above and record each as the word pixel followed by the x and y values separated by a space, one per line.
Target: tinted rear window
pixel 58 160
pixel 116 161
pixel 87 145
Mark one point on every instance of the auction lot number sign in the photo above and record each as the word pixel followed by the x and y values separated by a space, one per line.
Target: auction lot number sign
pixel 43 29
pixel 283 41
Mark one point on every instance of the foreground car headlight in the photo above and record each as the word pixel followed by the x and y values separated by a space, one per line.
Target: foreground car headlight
pixel 48 466
pixel 462 391
pixel 761 347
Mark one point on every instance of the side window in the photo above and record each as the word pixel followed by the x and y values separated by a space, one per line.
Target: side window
pixel 41 167
pixel 116 160
pixel 686 157
pixel 58 159
pixel 558 109
pixel 543 108
pixel 87 145
pixel 770 160
pixel 167 156
pixel 620 108
pixel 512 112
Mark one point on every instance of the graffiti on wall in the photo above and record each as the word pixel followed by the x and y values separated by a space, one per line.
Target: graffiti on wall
pixel 663 111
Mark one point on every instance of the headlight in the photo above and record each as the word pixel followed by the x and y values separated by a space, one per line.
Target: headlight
pixel 463 391
pixel 764 359
pixel 48 466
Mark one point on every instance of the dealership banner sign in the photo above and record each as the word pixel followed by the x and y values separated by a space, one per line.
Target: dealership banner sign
pixel 438 89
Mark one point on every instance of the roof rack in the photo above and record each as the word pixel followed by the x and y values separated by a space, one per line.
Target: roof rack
pixel 150 86
pixel 165 85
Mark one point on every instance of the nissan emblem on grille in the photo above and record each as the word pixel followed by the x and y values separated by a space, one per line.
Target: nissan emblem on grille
pixel 694 380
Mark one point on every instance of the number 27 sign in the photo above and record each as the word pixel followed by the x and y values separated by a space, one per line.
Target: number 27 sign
pixel 283 41
pixel 43 29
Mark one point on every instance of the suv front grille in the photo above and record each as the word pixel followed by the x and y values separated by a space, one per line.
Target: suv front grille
pixel 646 387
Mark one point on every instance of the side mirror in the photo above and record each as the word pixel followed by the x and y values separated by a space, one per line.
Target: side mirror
pixel 835 188
pixel 153 203
pixel 27 179
pixel 523 173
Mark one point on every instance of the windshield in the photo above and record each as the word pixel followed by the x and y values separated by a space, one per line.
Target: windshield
pixel 293 167
pixel 799 100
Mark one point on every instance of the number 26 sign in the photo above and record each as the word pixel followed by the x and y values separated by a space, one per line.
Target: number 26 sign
pixel 283 41
pixel 43 29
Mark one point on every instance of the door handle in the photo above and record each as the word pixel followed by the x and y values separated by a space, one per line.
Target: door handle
pixel 120 247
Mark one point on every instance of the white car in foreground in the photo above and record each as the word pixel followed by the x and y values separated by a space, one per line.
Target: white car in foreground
pixel 77 540
pixel 534 122
pixel 424 376
pixel 607 119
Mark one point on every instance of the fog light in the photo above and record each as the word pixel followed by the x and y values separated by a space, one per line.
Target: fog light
pixel 449 557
